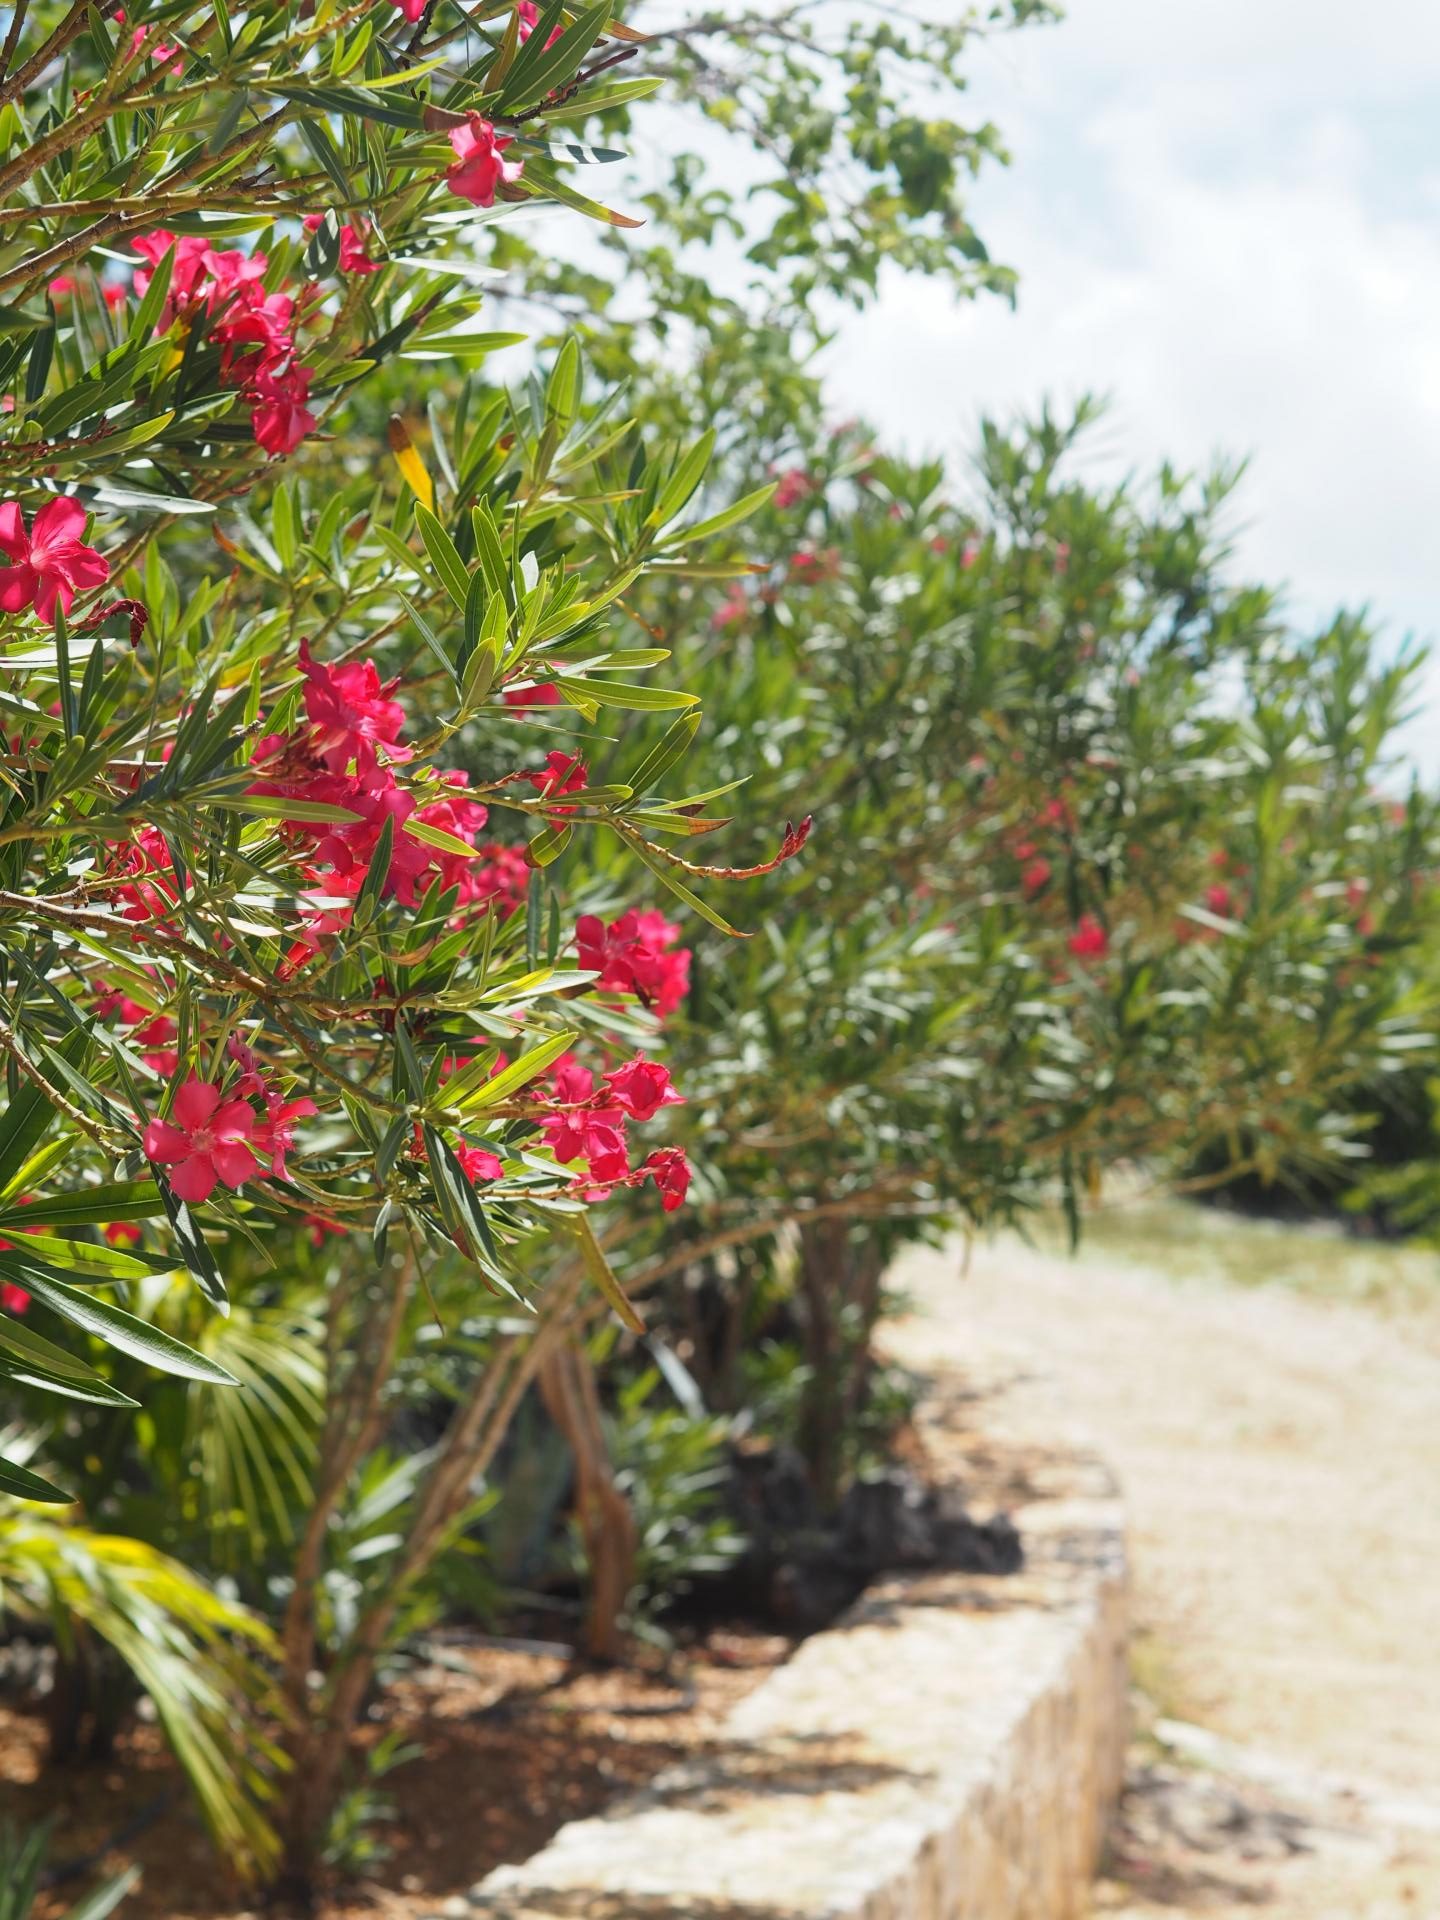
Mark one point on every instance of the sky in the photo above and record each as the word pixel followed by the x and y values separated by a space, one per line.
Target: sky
pixel 1226 216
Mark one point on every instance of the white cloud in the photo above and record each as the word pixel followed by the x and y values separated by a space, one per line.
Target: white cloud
pixel 1219 219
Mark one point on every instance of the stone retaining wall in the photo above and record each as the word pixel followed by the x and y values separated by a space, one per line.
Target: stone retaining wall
pixel 950 1750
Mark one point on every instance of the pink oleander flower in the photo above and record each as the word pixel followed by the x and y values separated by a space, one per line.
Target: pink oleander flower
pixel 206 1139
pixel 731 611
pixel 570 1083
pixel 793 486
pixel 478 1163
pixel 1089 941
pixel 412 9
pixel 353 257
pixel 51 563
pixel 12 1298
pixel 318 1228
pixel 478 168
pixel 562 773
pixel 188 274
pixel 528 15
pixel 276 1135
pixel 670 1171
pixel 163 54
pixel 641 1087
pixel 500 876
pixel 808 565
pixel 1035 878
pixel 148 889
pixel 255 334
pixel 1219 899
pixel 61 287
pixel 279 417
pixel 630 956
pixel 351 713
pixel 122 1233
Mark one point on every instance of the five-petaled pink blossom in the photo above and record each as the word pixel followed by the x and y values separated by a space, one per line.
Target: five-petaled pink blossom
pixel 279 417
pixel 49 563
pixel 1035 877
pixel 205 1140
pixel 350 713
pixel 641 1087
pixel 479 168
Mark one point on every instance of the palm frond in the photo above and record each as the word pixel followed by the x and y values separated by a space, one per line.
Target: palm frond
pixel 197 1655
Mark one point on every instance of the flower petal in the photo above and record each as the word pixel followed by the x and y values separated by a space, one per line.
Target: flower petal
pixel 235 1163
pixel 165 1143
pixel 12 532
pixel 234 1121
pixel 195 1102
pixel 194 1179
pixel 59 519
pixel 17 588
pixel 49 588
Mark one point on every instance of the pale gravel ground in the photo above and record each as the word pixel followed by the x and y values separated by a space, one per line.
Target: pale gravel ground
pixel 1280 1458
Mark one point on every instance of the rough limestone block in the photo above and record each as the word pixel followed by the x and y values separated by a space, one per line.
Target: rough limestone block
pixel 950 1750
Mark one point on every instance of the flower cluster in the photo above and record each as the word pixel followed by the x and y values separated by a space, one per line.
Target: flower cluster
pixel 584 1119
pixel 345 756
pixel 636 954
pixel 254 329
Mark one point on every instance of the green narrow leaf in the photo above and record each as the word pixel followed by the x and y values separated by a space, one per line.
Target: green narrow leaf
pixel 673 744
pixel 444 555
pixel 601 1272
pixel 718 522
pixel 28 1115
pixel 372 888
pixel 562 389
pixel 193 1249
pixel 663 871
pixel 490 1092
pixel 61 1371
pixel 24 1485
pixel 147 314
pixel 681 485
pixel 110 1324
pixel 62 662
pixel 613 693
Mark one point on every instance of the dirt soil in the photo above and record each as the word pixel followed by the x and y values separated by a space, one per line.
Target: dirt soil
pixel 1279 1449
pixel 512 1745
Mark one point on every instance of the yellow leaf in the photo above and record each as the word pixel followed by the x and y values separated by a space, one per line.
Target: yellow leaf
pixel 412 467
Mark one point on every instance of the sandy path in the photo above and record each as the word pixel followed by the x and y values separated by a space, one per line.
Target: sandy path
pixel 1280 1457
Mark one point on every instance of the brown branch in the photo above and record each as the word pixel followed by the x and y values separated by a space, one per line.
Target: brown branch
pixel 67 31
